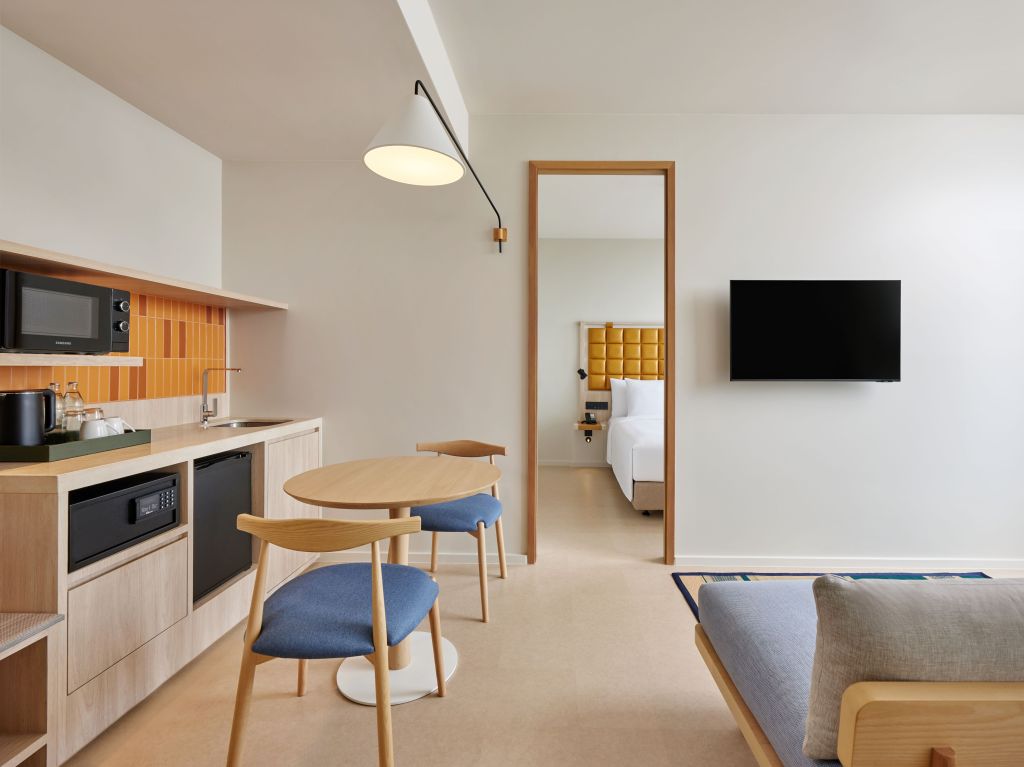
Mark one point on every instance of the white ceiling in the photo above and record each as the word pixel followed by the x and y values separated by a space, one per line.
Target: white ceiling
pixel 601 207
pixel 738 56
pixel 245 79
pixel 314 80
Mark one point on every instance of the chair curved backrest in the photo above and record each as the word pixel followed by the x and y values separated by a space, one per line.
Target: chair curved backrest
pixel 320 535
pixel 462 448
pixel 465 448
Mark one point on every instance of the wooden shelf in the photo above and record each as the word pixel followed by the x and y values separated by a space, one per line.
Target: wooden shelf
pixel 27 713
pixel 589 426
pixel 18 630
pixel 15 749
pixel 68 360
pixel 30 259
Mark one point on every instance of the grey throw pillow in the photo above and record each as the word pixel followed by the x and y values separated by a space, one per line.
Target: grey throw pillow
pixel 949 630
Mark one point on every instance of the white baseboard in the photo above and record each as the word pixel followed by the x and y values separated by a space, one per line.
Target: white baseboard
pixel 418 558
pixel 712 563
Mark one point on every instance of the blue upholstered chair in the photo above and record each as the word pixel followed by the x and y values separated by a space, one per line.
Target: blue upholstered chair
pixel 472 515
pixel 339 611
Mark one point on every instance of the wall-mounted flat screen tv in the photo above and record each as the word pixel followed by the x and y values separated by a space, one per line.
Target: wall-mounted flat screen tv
pixel 814 330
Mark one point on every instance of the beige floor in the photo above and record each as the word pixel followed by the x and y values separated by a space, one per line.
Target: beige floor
pixel 588 660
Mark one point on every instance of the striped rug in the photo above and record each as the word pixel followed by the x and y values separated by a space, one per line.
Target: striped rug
pixel 690 583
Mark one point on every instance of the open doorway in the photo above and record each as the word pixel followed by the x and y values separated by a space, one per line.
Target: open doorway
pixel 601 335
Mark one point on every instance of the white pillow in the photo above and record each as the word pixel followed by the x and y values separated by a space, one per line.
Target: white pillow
pixel 618 397
pixel 645 398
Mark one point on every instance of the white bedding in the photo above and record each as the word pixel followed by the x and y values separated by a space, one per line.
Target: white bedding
pixel 636 450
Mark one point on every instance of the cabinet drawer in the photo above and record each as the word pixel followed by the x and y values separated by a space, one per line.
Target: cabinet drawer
pixel 117 613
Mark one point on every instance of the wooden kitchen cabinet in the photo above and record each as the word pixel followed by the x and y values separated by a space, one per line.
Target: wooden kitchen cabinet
pixel 131 622
pixel 286 458
pixel 115 614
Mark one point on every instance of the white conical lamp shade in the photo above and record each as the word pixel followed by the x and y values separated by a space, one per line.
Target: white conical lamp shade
pixel 413 148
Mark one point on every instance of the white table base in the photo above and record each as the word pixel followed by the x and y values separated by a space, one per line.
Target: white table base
pixel 417 680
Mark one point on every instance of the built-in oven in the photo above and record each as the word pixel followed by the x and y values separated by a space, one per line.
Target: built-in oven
pixel 46 314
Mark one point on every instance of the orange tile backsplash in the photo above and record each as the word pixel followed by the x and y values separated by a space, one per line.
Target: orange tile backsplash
pixel 176 340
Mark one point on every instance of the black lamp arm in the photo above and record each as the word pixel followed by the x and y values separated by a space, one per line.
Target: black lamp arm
pixel 451 134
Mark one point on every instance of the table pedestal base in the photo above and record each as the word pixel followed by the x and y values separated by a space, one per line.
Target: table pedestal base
pixel 417 680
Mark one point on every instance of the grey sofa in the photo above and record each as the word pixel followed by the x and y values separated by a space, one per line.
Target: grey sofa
pixel 948 693
pixel 763 633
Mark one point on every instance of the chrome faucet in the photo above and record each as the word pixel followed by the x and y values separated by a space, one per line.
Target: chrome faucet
pixel 205 411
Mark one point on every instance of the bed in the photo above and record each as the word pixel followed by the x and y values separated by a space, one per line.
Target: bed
pixel 622 383
pixel 636 452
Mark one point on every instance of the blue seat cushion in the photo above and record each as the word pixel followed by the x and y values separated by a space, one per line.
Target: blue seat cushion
pixel 460 516
pixel 326 613
pixel 764 634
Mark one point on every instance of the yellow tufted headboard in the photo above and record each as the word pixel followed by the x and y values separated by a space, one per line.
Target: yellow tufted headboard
pixel 624 353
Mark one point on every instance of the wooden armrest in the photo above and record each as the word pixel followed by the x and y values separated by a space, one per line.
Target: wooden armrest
pixel 900 724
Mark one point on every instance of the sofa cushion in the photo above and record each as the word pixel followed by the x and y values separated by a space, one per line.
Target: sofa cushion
pixel 955 630
pixel 763 632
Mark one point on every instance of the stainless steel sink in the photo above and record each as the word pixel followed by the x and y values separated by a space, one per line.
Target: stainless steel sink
pixel 239 423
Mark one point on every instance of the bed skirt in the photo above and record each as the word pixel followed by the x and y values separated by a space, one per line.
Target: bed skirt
pixel 648 496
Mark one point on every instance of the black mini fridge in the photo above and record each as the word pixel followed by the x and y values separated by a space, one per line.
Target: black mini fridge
pixel 222 490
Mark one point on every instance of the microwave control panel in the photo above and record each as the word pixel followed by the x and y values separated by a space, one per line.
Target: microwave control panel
pixel 121 317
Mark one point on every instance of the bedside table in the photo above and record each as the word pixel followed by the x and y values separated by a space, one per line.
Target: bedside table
pixel 588 429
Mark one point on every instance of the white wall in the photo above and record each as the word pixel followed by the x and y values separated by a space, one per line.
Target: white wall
pixel 403 323
pixel 85 173
pixel 588 281
pixel 407 325
pixel 809 473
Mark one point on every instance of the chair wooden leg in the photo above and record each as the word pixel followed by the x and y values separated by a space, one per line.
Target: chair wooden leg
pixel 501 548
pixel 433 553
pixel 381 672
pixel 243 696
pixel 382 677
pixel 303 668
pixel 481 553
pixel 435 637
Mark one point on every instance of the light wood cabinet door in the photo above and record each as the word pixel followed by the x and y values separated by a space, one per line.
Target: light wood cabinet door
pixel 285 459
pixel 118 612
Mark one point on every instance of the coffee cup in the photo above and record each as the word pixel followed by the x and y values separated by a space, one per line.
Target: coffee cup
pixel 97 428
pixel 117 425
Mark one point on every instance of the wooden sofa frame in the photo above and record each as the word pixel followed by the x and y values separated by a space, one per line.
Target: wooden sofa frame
pixel 904 724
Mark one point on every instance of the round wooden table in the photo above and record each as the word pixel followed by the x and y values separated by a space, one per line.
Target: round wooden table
pixel 396 484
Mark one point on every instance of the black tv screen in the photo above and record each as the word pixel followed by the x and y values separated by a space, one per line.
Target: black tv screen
pixel 814 330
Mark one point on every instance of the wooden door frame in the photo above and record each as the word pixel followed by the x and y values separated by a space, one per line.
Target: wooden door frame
pixel 667 170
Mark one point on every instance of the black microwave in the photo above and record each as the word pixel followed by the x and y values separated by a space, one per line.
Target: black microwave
pixel 46 314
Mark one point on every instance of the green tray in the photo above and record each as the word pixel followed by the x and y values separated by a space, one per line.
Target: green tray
pixel 61 445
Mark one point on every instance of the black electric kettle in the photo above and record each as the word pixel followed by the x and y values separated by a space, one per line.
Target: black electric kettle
pixel 26 416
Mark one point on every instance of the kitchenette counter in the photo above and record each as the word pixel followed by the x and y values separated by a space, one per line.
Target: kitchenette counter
pixel 169 445
pixel 141 603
